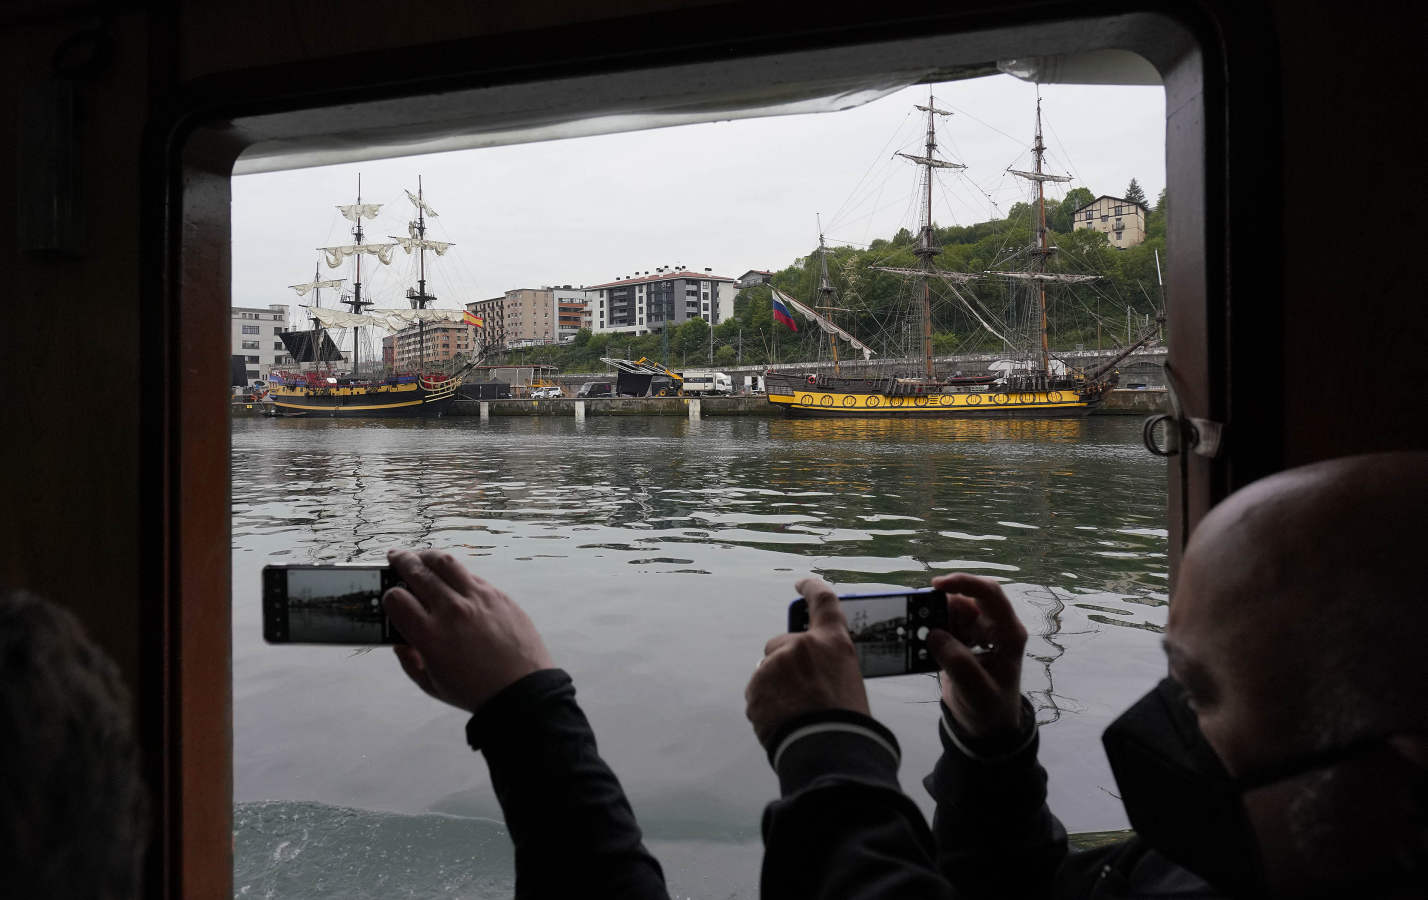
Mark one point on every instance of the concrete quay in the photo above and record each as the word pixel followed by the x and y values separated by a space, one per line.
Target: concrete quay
pixel 1118 402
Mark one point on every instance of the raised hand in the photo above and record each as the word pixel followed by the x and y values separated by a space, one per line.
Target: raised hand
pixel 812 670
pixel 982 689
pixel 466 640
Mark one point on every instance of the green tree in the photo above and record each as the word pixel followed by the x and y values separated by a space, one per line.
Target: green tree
pixel 582 338
pixel 1134 193
pixel 1061 219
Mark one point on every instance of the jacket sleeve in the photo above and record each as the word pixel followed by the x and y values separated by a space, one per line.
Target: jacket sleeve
pixel 573 830
pixel 995 835
pixel 842 826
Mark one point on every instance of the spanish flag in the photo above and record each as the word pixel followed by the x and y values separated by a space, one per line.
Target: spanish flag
pixel 472 319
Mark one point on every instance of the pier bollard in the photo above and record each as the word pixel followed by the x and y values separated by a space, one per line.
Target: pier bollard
pixel 485 411
pixel 580 410
pixel 694 408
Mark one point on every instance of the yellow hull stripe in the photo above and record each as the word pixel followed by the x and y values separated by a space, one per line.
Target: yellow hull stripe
pixel 825 401
pixel 355 407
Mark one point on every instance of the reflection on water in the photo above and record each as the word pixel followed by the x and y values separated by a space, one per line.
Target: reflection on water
pixel 657 556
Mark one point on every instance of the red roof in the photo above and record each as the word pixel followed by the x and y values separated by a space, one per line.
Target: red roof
pixel 661 276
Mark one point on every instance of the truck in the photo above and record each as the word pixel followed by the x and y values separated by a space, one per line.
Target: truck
pixel 699 383
pixel 754 384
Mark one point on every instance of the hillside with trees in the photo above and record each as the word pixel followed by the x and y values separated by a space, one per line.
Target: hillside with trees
pixel 878 307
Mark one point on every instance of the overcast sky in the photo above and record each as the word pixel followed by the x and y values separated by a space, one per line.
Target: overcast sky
pixel 730 196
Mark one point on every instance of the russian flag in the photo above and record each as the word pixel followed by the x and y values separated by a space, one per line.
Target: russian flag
pixel 781 312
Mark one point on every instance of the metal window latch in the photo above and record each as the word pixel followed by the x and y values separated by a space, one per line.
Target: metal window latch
pixel 1204 437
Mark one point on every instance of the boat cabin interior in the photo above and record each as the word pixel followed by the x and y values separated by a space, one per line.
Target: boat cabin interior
pixel 132 118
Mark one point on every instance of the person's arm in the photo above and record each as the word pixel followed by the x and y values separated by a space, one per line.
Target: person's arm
pixel 994 833
pixel 469 645
pixel 842 827
pixel 573 829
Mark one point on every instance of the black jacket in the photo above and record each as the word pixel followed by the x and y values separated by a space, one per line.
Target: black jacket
pixel 574 832
pixel 843 827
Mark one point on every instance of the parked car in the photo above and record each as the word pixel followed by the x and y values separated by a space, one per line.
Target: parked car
pixel 548 392
pixel 596 389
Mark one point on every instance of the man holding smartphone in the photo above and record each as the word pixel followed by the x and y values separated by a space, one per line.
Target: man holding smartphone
pixel 1285 756
pixel 470 646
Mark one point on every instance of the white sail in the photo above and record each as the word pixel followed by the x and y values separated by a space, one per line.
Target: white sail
pixel 827 326
pixel 389 319
pixel 421 204
pixel 1039 176
pixel 354 212
pixel 302 289
pixel 929 161
pixel 411 243
pixel 336 255
pixel 336 318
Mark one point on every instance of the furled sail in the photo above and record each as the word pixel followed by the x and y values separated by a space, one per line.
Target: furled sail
pixel 411 243
pixel 827 326
pixel 929 161
pixel 390 319
pixel 1047 276
pixel 354 212
pixel 1039 176
pixel 954 277
pixel 335 255
pixel 302 289
pixel 421 204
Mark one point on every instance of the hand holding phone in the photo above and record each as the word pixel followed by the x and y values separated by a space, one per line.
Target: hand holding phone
pixel 889 631
pixel 466 640
pixel 327 605
pixel 816 669
pixel 980 652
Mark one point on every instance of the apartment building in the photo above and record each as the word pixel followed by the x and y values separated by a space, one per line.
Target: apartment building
pixel 403 351
pixel 648 301
pixel 493 313
pixel 255 338
pixel 1121 221
pixel 572 310
pixel 530 316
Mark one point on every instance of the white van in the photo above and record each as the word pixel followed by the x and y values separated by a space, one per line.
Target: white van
pixel 697 383
pixel 754 384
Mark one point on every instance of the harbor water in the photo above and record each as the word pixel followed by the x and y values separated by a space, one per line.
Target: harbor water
pixel 656 556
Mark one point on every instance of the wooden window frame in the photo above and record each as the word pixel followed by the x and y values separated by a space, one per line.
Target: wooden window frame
pixel 1223 374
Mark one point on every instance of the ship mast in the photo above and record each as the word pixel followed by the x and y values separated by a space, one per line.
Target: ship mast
pixel 317 330
pixel 927 247
pixel 355 303
pixel 825 294
pixel 1040 248
pixel 420 298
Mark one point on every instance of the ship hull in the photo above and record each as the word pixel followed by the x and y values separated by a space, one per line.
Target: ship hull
pixel 422 398
pixel 840 398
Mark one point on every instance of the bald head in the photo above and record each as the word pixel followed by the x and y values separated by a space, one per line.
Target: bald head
pixel 1297 607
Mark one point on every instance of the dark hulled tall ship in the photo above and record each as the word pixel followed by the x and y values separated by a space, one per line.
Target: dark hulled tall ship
pixel 316 388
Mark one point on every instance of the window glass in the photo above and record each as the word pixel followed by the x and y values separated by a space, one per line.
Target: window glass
pixel 683 537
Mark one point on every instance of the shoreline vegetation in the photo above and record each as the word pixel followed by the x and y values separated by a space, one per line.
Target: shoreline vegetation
pixel 1092 316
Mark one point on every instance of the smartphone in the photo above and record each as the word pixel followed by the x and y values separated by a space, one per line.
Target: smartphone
pixel 889 631
pixel 327 605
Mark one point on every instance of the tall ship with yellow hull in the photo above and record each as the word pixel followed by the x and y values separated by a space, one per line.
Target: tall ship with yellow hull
pixel 1032 384
pixel 316 388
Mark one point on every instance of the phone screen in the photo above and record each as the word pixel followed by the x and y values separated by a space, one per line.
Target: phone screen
pixel 889 631
pixel 327 605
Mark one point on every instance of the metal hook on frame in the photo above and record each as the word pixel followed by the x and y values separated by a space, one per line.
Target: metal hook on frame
pixel 1204 437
